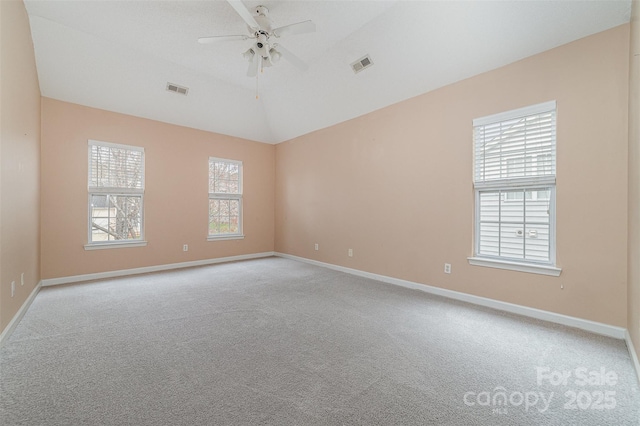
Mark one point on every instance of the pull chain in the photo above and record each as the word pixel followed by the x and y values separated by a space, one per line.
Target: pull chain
pixel 257 75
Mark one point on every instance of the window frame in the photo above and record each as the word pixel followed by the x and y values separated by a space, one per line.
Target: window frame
pixel 520 183
pixel 126 192
pixel 227 196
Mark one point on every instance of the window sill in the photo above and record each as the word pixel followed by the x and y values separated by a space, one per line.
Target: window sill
pixel 101 246
pixel 225 237
pixel 531 268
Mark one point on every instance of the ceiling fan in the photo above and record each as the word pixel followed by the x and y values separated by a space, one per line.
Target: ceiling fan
pixel 263 52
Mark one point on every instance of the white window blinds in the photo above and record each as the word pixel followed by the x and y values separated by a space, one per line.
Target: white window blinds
pixel 116 192
pixel 516 147
pixel 225 198
pixel 114 167
pixel 514 179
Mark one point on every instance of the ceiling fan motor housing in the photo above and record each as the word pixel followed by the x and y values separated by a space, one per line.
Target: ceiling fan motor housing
pixel 262 44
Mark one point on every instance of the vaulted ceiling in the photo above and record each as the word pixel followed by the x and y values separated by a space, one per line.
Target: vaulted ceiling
pixel 120 55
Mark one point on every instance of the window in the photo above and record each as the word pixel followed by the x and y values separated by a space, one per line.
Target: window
pixel 515 183
pixel 116 192
pixel 225 199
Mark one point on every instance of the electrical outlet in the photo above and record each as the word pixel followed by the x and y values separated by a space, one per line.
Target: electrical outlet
pixel 22 279
pixel 13 288
pixel 447 268
pixel 185 247
pixel 350 252
pixel 317 247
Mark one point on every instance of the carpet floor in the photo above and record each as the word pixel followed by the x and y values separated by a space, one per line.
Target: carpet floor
pixel 275 341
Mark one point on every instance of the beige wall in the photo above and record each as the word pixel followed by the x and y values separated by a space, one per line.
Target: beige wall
pixel 176 193
pixel 396 185
pixel 20 160
pixel 633 298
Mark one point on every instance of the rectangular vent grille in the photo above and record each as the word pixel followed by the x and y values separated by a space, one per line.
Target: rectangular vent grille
pixel 362 63
pixel 177 89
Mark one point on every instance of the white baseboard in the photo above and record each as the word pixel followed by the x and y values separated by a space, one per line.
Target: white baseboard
pixel 633 354
pixel 18 316
pixel 583 324
pixel 147 269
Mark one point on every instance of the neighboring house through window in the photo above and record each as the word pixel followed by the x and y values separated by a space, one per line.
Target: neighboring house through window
pixel 515 187
pixel 116 194
pixel 225 199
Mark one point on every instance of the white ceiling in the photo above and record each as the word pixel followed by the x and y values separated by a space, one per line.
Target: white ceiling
pixel 119 55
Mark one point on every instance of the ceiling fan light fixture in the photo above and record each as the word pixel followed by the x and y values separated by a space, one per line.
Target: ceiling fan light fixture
pixel 275 55
pixel 249 54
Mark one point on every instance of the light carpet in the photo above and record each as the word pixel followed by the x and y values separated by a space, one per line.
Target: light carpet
pixel 276 341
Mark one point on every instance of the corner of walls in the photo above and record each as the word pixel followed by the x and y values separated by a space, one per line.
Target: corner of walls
pixel 633 354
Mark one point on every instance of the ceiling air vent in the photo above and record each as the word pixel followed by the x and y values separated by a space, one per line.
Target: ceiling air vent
pixel 362 63
pixel 177 89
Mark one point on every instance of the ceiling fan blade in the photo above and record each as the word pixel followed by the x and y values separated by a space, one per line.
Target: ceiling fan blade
pixel 254 66
pixel 215 39
pixel 303 27
pixel 297 62
pixel 244 14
